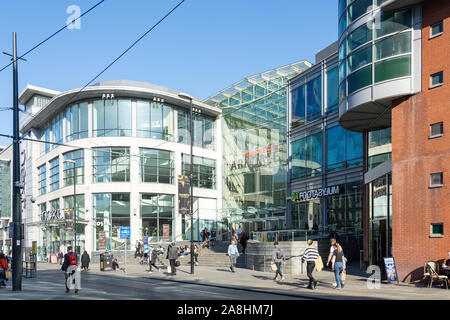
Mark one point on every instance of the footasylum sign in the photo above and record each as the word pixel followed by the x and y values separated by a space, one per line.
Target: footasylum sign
pixel 316 193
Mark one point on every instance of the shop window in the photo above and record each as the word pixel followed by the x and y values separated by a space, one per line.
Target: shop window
pixel 436 29
pixel 437 79
pixel 393 68
pixel 437 230
pixel 436 130
pixel 436 180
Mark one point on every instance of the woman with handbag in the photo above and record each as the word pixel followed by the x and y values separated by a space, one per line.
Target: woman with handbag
pixel 278 260
pixel 3 270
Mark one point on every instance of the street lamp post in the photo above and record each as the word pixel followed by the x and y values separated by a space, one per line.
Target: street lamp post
pixel 74 205
pixel 188 97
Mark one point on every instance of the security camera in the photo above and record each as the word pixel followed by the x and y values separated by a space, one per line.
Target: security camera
pixel 33 199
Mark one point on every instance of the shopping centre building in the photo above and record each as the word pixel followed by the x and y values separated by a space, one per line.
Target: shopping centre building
pixel 124 144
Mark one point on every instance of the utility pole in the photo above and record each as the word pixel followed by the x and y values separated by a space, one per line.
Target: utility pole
pixel 17 185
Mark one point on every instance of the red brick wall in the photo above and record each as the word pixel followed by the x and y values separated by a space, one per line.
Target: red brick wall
pixel 414 156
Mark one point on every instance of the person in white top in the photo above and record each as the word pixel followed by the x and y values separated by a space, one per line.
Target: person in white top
pixel 330 256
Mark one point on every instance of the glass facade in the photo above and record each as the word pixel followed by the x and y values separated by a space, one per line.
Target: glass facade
pixel 156 211
pixel 372 54
pixel 379 147
pixel 76 121
pixel 111 118
pixel 203 171
pixel 307 156
pixel 54 174
pixel 111 211
pixel 344 149
pixel 5 189
pixel 154 120
pixel 111 164
pixel 307 101
pixel 78 167
pixel 42 179
pixel 203 130
pixel 156 166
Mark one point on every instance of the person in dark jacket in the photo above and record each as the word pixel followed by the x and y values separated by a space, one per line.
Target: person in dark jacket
pixel 152 260
pixel 172 254
pixel 70 260
pixel 85 259
pixel 3 269
pixel 243 241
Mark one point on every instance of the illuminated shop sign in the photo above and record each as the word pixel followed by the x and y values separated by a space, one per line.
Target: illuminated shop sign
pixel 316 193
pixel 257 158
pixel 51 215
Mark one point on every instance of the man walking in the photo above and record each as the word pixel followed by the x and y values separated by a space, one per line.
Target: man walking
pixel 173 256
pixel 69 268
pixel 233 253
pixel 310 255
pixel 152 259
pixel 278 259
pixel 138 249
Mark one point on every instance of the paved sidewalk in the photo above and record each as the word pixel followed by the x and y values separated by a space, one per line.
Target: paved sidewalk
pixel 293 285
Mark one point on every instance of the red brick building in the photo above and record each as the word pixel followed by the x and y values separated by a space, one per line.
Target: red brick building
pixel 418 204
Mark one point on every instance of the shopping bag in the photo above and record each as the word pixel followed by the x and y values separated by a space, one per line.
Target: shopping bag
pixel 8 274
pixel 169 269
pixel 273 266
pixel 319 264
pixel 343 275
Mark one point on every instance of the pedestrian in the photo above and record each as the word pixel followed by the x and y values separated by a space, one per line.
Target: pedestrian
pixel 9 258
pixel 172 254
pixel 278 259
pixel 138 249
pixel 115 264
pixel 235 237
pixel 243 241
pixel 330 256
pixel 202 236
pixel 337 265
pixel 310 255
pixel 196 252
pixel 60 257
pixel 85 259
pixel 70 261
pixel 213 237
pixel 153 257
pixel 3 269
pixel 233 253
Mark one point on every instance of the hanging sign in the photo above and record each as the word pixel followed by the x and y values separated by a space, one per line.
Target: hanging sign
pixel 184 193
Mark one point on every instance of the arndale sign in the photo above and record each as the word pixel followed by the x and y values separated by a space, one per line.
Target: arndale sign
pixel 316 193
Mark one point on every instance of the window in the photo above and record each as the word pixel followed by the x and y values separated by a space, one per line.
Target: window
pixel 111 118
pixel 156 211
pixel 359 37
pixel 203 171
pixel 391 22
pixel 393 45
pixel 54 205
pixel 437 130
pixel 344 149
pixel 78 157
pixel 436 180
pixel 357 8
pixel 111 211
pixel 359 79
pixel 76 123
pixel 314 99
pixel 307 156
pixel 57 131
pixel 42 181
pixel 54 174
pixel 156 166
pixel 154 120
pixel 359 58
pixel 437 230
pixel 68 204
pixel 298 104
pixel 332 90
pixel 436 79
pixel 111 164
pixel 203 130
pixel 393 68
pixel 436 29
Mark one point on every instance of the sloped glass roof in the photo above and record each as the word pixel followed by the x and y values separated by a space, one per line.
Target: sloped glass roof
pixel 234 90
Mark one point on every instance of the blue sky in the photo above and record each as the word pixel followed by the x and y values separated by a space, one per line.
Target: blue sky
pixel 203 47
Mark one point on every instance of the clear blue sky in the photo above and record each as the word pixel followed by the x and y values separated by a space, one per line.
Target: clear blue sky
pixel 203 47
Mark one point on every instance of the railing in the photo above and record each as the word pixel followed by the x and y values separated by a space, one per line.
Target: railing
pixel 288 235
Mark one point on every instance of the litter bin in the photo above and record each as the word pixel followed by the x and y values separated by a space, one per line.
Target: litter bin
pixel 106 261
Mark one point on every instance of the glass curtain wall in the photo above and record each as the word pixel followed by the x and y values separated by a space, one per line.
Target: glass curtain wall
pixel 111 118
pixel 76 121
pixel 111 164
pixel 154 120
pixel 203 130
pixel 54 174
pixel 203 171
pixel 307 156
pixel 156 166
pixel 307 101
pixel 78 167
pixel 344 149
pixel 111 211
pixel 42 179
pixel 157 210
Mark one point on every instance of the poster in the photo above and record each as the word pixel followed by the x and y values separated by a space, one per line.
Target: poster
pixel 53 258
pixel 68 218
pixel 391 271
pixel 101 240
pixel 145 240
pixel 184 189
pixel 166 233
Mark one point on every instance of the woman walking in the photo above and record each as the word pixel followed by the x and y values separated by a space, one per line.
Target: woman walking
pixel 3 269
pixel 310 255
pixel 338 265
pixel 278 259
pixel 85 259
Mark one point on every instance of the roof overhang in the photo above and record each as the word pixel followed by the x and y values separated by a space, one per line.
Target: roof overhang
pixel 31 90
pixel 391 5
pixel 60 101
